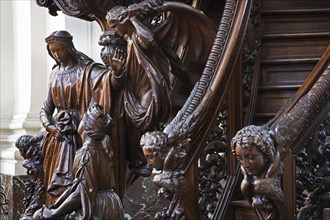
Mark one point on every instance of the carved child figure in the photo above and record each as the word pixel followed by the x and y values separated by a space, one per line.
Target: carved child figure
pixel 91 195
pixel 261 166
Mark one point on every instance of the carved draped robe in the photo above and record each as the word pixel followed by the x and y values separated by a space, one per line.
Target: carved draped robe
pixel 92 188
pixel 146 94
pixel 70 92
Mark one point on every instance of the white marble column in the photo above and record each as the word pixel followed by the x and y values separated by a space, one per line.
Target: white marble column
pixel 25 68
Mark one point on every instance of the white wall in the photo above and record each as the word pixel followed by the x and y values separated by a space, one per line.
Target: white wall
pixel 25 67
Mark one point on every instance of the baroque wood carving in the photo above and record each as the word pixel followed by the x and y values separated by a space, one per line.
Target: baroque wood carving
pixel 261 149
pixel 149 47
pixel 134 87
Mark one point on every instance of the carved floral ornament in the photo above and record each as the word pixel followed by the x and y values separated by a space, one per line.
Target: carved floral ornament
pixel 90 10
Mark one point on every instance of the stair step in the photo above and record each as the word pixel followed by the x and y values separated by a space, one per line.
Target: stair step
pixel 270 101
pixel 265 115
pixel 296 12
pixel 262 118
pixel 294 49
pixel 291 36
pixel 279 87
pixel 312 60
pixel 270 5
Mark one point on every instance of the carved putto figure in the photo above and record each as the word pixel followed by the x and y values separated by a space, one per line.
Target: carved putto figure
pixel 91 195
pixel 163 153
pixel 262 168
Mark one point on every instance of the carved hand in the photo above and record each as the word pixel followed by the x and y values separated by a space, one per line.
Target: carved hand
pixel 117 61
pixel 265 186
pixel 42 213
pixel 55 132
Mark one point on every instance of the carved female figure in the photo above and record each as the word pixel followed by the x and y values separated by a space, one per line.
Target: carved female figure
pixel 91 195
pixel 74 81
pixel 261 166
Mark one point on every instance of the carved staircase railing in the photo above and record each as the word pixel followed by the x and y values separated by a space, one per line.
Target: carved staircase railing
pixel 291 129
pixel 300 118
pixel 218 90
pixel 193 124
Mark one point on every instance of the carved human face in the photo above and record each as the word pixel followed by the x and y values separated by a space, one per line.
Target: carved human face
pixel 153 160
pixel 118 20
pixel 59 52
pixel 121 28
pixel 252 160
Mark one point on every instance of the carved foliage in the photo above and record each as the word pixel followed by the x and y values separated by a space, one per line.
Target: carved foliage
pixel 250 51
pixel 313 174
pixel 3 204
pixel 212 169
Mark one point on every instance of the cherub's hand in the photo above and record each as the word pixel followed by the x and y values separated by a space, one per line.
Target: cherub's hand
pixel 117 61
pixel 265 186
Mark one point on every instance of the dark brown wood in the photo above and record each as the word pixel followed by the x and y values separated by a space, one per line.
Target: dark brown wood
pixel 160 63
pixel 91 195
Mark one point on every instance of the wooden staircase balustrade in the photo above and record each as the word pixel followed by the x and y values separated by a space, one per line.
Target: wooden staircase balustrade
pixel 193 124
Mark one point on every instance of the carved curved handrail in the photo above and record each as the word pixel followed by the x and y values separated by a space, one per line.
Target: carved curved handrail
pixel 299 117
pixel 206 100
pixel 305 87
pixel 191 127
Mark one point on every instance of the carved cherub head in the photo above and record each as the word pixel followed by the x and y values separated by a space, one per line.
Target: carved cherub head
pixel 154 145
pixel 254 148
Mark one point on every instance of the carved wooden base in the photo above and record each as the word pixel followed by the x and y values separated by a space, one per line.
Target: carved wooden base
pixel 244 211
pixel 141 200
pixel 14 192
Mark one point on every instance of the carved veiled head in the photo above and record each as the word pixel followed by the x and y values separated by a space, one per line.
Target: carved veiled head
pixel 63 39
pixel 154 145
pixel 254 148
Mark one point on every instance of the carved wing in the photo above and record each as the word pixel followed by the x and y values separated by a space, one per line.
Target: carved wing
pixel 188 29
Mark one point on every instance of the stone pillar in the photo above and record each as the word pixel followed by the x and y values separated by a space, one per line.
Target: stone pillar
pixel 25 68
